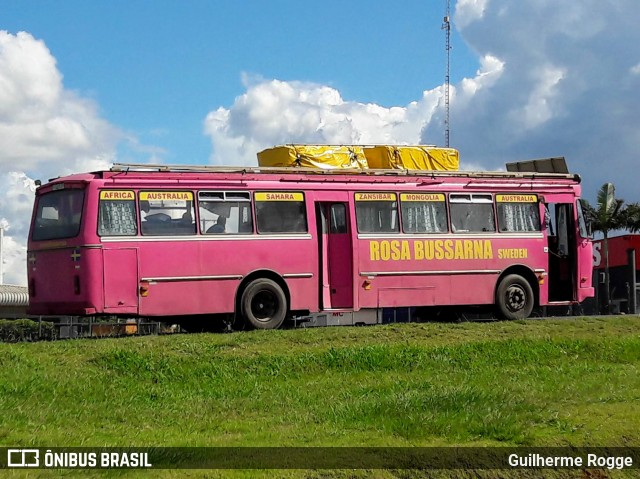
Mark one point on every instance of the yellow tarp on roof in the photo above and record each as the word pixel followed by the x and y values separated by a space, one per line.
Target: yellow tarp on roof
pixel 326 157
pixel 412 158
pixel 330 157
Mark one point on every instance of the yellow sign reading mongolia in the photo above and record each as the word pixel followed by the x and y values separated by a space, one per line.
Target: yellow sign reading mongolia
pixel 166 195
pixel 117 195
pixel 375 196
pixel 516 198
pixel 279 196
pixel 421 197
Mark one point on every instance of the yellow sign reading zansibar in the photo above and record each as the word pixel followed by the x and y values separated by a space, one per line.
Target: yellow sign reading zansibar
pixel 375 196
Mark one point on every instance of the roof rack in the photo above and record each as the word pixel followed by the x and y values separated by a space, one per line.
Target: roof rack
pixel 142 167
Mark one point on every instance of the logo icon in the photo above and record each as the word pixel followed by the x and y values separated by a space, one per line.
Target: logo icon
pixel 23 458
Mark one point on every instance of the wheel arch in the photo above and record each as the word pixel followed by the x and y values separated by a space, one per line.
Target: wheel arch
pixel 258 274
pixel 527 273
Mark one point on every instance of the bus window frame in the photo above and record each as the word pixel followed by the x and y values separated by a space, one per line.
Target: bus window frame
pixel 487 198
pixel 173 231
pixel 395 208
pixel 57 190
pixel 445 216
pixel 136 214
pixel 537 223
pixel 304 211
pixel 225 197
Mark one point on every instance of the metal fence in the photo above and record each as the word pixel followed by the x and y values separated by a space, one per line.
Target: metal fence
pixel 72 327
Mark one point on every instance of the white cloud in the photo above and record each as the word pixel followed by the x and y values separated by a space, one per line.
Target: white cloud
pixel 45 131
pixel 565 87
pixel 468 11
pixel 276 112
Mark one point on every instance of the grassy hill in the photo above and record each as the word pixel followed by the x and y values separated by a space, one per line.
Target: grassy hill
pixel 532 383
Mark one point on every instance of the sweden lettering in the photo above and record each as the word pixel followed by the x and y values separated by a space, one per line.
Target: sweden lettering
pixel 430 249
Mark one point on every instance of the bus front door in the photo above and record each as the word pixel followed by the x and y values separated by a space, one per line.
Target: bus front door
pixel 336 256
pixel 562 252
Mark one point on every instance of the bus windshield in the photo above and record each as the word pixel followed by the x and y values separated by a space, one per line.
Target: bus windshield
pixel 58 215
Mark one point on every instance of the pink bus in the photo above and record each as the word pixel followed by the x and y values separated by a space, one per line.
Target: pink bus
pixel 260 245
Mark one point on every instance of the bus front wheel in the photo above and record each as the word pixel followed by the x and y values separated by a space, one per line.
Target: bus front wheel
pixel 263 304
pixel 514 297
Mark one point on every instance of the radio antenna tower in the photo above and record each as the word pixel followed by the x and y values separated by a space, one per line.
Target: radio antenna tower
pixel 446 26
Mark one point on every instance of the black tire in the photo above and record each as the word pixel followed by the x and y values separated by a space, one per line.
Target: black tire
pixel 514 298
pixel 263 304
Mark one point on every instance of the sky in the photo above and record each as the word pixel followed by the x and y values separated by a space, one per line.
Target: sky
pixel 86 84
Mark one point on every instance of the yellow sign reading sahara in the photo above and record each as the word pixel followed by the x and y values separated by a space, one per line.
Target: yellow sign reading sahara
pixel 449 249
pixel 515 198
pixel 279 196
pixel 166 195
pixel 117 195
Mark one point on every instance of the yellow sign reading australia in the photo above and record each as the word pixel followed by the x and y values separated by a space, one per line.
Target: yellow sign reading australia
pixel 516 198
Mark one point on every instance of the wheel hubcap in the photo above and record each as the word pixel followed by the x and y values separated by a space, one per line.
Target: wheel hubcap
pixel 264 305
pixel 516 298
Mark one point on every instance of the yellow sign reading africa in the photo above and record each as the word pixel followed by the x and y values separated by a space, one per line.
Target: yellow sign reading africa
pixel 117 195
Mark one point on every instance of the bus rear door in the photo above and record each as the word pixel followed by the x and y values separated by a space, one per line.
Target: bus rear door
pixel 336 254
pixel 120 280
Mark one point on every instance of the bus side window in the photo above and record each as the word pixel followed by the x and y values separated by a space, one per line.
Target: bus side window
pixel 423 213
pixel 281 212
pixel 377 213
pixel 471 213
pixel 518 213
pixel 117 213
pixel 225 212
pixel 166 213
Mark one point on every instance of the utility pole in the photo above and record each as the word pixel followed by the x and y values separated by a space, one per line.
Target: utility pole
pixel 446 26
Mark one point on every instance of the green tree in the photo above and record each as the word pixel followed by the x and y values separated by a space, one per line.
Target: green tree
pixel 609 214
pixel 632 213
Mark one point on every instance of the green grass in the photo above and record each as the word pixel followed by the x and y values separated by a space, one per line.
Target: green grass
pixel 532 383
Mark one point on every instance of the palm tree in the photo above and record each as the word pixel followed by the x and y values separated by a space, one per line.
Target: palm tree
pixel 608 215
pixel 632 212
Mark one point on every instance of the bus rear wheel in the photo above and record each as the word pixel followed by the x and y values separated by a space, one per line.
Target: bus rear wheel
pixel 263 304
pixel 514 297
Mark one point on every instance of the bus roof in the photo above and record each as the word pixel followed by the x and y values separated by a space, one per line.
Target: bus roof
pixel 135 167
